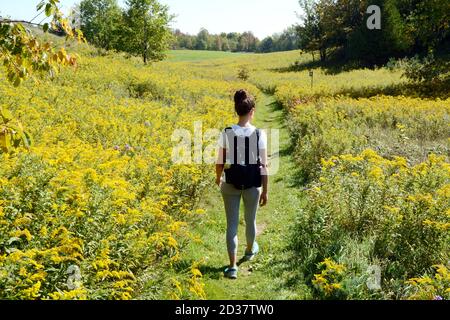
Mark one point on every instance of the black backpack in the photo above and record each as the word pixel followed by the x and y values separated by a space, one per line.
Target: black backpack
pixel 245 170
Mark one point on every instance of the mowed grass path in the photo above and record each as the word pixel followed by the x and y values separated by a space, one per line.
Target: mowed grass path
pixel 264 277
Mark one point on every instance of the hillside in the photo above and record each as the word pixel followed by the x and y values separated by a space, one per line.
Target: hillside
pixel 363 182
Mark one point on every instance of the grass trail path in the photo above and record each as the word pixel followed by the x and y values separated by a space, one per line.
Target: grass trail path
pixel 262 278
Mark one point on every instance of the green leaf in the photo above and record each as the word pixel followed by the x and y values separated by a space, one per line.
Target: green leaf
pixel 45 27
pixel 17 81
pixel 8 140
pixel 11 76
pixel 3 142
pixel 12 240
pixel 27 139
pixel 40 5
pixel 6 115
pixel 48 9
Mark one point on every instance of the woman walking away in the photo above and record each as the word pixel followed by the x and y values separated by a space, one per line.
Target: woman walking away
pixel 243 159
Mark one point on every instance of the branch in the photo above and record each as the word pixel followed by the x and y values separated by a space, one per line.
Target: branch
pixel 20 21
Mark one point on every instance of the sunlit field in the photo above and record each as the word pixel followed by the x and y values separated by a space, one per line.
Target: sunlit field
pixel 98 194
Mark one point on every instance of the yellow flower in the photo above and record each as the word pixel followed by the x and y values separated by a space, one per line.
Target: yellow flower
pixel 376 173
pixel 33 291
pixel 120 219
pixel 200 211
pixel 326 164
pixel 22 233
pixel 23 272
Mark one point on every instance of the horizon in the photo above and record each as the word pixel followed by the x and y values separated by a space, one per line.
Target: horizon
pixel 216 15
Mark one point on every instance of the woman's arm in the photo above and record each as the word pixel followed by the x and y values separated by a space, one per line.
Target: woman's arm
pixel 220 165
pixel 265 178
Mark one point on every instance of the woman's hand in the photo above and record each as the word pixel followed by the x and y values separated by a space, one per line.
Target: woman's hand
pixel 263 199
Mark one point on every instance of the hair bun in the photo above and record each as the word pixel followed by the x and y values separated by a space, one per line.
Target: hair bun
pixel 240 96
pixel 243 102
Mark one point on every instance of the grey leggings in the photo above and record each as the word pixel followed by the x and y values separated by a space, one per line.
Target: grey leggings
pixel 232 199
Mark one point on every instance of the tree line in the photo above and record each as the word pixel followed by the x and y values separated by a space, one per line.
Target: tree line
pixel 236 42
pixel 142 28
pixel 338 29
pixel 328 29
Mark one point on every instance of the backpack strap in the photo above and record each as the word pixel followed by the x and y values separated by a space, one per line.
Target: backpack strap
pixel 247 142
pixel 225 137
pixel 258 134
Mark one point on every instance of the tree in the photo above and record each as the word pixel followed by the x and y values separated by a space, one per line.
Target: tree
pixel 309 30
pixel 247 42
pixel 266 45
pixel 219 43
pixel 286 41
pixel 146 31
pixel 233 39
pixel 101 22
pixel 339 27
pixel 428 21
pixel 377 46
pixel 202 40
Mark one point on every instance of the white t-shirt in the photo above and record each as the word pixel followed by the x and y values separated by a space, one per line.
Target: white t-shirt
pixel 243 132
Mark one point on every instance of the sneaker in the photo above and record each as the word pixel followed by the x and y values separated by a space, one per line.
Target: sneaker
pixel 251 255
pixel 231 273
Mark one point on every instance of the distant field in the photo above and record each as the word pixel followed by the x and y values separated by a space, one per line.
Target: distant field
pixel 198 55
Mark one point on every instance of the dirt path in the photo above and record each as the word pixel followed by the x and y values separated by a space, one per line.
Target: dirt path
pixel 262 278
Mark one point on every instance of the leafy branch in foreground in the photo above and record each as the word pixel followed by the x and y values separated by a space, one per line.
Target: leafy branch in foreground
pixel 23 54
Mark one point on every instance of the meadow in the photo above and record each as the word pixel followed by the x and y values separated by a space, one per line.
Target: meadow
pixel 95 208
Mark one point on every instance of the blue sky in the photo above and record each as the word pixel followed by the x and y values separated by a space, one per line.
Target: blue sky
pixel 263 17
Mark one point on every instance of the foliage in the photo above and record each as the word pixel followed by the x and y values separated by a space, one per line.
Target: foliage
pixel 236 42
pixel 98 191
pixel 328 281
pixel 402 210
pixel 243 73
pixel 309 30
pixel 435 287
pixel 338 28
pixel 408 127
pixel 101 22
pixel 11 135
pixel 428 71
pixel 23 54
pixel 284 41
pixel 376 172
pixel 146 29
pixel 233 41
pixel 141 29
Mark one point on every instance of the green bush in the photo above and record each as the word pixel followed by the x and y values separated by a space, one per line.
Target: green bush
pixel 399 214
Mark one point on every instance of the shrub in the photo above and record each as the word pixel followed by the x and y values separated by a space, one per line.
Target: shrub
pixel 434 287
pixel 407 127
pixel 402 211
pixel 95 208
pixel 243 73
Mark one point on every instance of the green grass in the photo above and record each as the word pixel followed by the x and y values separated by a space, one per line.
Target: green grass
pixel 199 55
pixel 262 278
